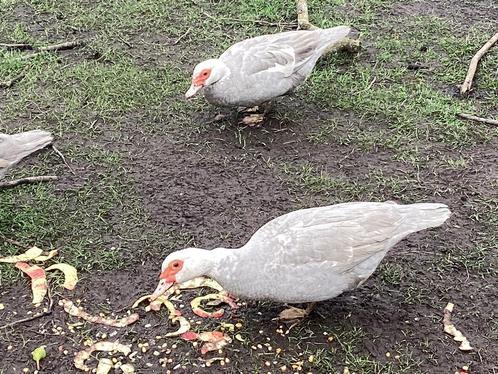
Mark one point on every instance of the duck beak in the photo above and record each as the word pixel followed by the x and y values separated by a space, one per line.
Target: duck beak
pixel 161 288
pixel 192 90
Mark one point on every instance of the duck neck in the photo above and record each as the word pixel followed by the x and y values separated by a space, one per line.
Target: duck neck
pixel 224 265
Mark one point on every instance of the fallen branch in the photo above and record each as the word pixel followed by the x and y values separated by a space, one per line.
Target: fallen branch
pixel 489 121
pixel 467 83
pixel 17 182
pixel 303 20
pixel 10 83
pixel 36 316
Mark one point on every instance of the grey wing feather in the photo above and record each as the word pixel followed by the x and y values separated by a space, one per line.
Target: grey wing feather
pixel 285 52
pixel 344 235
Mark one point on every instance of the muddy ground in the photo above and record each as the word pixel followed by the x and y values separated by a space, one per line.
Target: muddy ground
pixel 152 173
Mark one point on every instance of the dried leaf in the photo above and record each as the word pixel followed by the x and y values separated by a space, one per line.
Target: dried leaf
pixel 70 274
pixel 450 329
pixel 29 255
pixel 104 366
pixel 39 284
pixel 82 356
pixel 184 327
pixel 46 255
pixel 38 354
pixel 73 310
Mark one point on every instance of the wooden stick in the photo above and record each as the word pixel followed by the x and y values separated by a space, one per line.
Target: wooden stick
pixel 303 20
pixel 12 241
pixel 467 83
pixel 17 182
pixel 61 46
pixel 489 121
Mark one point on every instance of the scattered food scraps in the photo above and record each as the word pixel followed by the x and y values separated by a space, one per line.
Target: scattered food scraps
pixel 70 274
pixel 450 329
pixel 106 346
pixel 46 256
pixel 104 366
pixel 127 369
pixel 30 254
pixel 463 370
pixel 73 310
pixel 214 340
pixel 211 361
pixel 38 354
pixel 39 284
pixel 184 327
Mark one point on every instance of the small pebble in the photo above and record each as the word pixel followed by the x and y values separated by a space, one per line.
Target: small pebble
pixel 268 363
pixel 148 326
pixel 156 353
pixel 388 354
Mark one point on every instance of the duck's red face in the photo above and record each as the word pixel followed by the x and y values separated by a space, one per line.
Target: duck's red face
pixel 198 81
pixel 167 278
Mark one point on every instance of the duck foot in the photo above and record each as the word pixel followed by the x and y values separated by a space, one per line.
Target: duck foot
pixel 253 117
pixel 296 314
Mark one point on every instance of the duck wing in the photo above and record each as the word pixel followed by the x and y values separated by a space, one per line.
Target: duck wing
pixel 281 53
pixel 343 235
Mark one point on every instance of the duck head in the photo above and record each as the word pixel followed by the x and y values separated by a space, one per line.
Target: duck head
pixel 205 74
pixel 182 266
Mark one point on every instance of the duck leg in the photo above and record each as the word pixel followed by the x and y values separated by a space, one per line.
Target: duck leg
pixel 293 313
pixel 253 116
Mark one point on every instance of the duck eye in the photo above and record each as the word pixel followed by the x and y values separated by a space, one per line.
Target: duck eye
pixel 205 73
pixel 175 264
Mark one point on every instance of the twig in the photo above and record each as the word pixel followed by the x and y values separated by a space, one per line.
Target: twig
pixel 489 121
pixel 36 316
pixel 303 20
pixel 9 83
pixel 61 46
pixel 63 158
pixel 19 46
pixel 182 36
pixel 467 83
pixel 17 182
pixel 55 48
pixel 12 241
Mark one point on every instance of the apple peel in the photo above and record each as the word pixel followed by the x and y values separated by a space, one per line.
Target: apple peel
pixel 450 329
pixel 73 310
pixel 70 274
pixel 29 255
pixel 45 256
pixel 184 327
pixel 39 285
pixel 106 346
pixel 156 305
pixel 213 340
pixel 222 296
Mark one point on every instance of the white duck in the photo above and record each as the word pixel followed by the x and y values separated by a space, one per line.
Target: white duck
pixel 259 69
pixel 307 255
